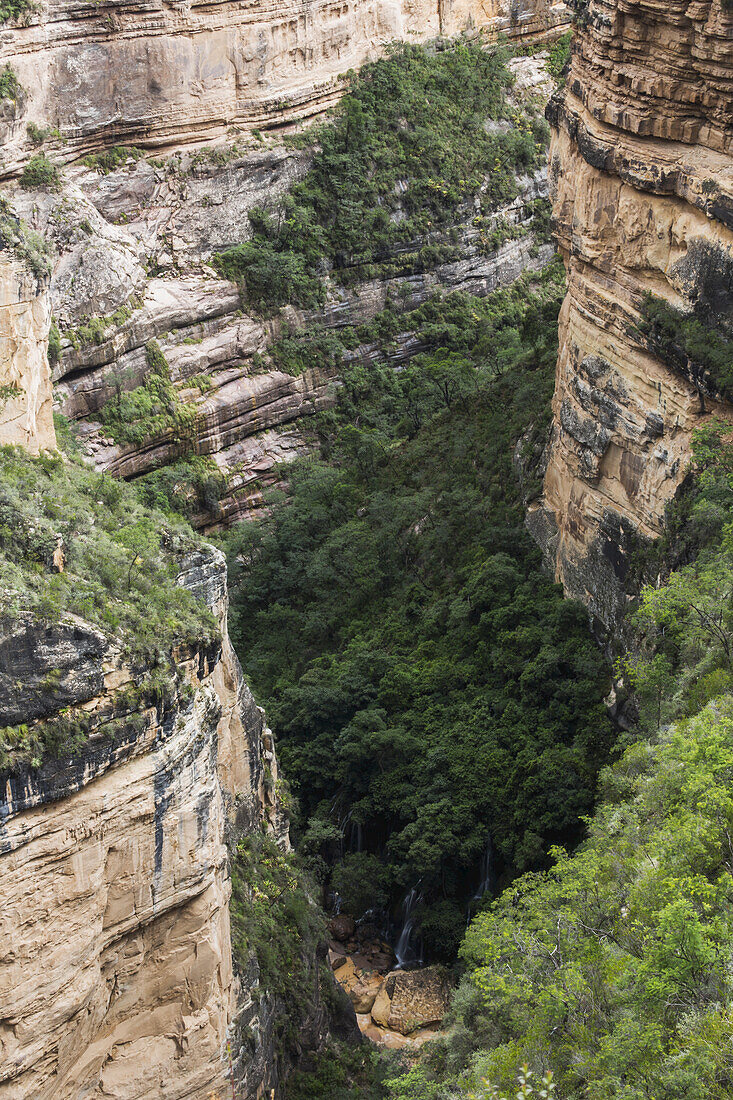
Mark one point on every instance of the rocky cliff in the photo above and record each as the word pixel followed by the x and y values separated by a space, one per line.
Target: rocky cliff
pixel 164 75
pixel 641 172
pixel 116 976
pixel 132 247
pixel 25 385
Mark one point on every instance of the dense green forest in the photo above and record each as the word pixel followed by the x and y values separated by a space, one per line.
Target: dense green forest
pixel 430 687
pixel 437 702
pixel 612 968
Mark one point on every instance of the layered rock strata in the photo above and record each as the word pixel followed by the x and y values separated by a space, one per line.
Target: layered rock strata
pixel 163 75
pixel 110 231
pixel 641 174
pixel 116 974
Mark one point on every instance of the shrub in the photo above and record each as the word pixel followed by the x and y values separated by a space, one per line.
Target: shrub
pixel 54 344
pixel 110 159
pixel 10 87
pixel 687 342
pixel 41 174
pixel 29 246
pixel 37 135
pixel 16 9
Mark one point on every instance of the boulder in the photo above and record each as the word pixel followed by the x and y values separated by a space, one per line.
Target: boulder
pixel 364 993
pixel 336 958
pixel 418 998
pixel 382 1006
pixel 345 975
pixel 342 928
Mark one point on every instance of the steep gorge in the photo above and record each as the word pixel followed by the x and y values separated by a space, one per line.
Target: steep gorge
pixel 641 172
pixel 643 191
pixel 118 977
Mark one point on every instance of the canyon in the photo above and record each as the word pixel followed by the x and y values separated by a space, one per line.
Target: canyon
pixel 117 976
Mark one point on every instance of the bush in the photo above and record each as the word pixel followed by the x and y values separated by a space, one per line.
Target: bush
pixel 110 159
pixel 29 246
pixel 40 174
pixel 54 344
pixel 271 277
pixel 16 9
pixel 559 58
pixel 10 87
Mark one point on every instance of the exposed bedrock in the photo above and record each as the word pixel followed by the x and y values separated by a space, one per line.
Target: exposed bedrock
pixel 116 974
pixel 164 75
pixel 25 387
pixel 641 176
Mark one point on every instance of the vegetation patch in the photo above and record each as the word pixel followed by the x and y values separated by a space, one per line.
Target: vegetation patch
pixel 54 344
pixel 688 343
pixel 95 330
pixel 10 86
pixel 109 160
pixel 16 9
pixel 192 485
pixel 37 135
pixel 411 145
pixel 121 558
pixel 40 174
pixel 152 409
pixel 30 247
pixel 560 52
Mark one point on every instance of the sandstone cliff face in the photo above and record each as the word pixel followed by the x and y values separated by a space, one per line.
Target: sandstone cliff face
pixel 116 974
pixel 162 75
pixel 641 171
pixel 25 386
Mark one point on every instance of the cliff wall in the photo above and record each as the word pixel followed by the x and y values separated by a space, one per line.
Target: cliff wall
pixel 641 175
pixel 131 251
pixel 165 74
pixel 25 384
pixel 116 975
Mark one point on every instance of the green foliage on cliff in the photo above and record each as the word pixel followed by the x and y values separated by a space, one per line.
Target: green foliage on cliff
pixel 192 485
pixel 560 55
pixel 152 409
pixel 16 9
pixel 273 917
pixel 30 247
pixel 10 86
pixel 121 558
pixel 412 143
pixel 41 174
pixel 428 683
pixel 689 342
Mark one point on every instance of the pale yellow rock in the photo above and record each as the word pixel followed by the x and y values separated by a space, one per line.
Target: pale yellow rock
pixel 164 75
pixel 25 382
pixel 641 170
pixel 381 1007
pixel 116 973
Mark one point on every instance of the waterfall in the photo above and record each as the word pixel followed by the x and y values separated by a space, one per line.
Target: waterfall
pixel 405 953
pixel 487 871
pixel 487 881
